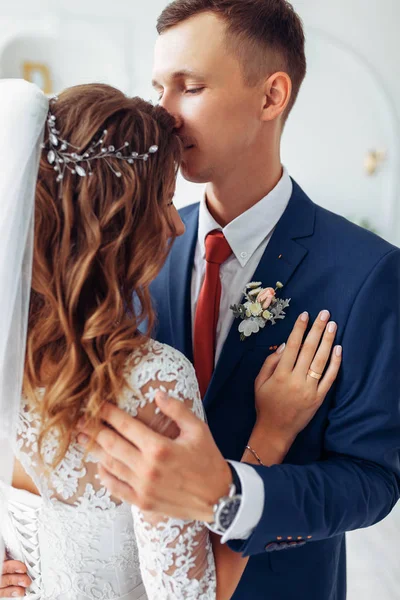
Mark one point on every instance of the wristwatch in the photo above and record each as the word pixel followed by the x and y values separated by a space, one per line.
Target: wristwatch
pixel 227 507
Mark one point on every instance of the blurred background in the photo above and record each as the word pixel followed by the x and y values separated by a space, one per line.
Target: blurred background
pixel 341 142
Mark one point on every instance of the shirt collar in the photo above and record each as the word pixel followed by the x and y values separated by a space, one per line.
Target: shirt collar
pixel 245 233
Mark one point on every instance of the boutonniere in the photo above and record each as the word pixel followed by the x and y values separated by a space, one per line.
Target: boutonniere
pixel 262 306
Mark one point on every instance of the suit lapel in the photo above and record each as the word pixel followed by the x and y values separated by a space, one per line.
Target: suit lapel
pixel 179 281
pixel 280 260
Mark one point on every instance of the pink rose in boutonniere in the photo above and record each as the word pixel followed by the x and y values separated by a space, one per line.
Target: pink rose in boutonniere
pixel 261 306
pixel 265 297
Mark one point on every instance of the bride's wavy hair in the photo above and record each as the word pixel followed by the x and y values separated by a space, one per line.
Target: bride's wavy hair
pixel 97 247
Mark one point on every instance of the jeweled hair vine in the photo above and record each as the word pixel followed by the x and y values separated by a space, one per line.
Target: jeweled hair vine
pixel 63 155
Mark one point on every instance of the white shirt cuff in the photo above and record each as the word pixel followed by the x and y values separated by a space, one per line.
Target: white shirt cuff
pixel 252 505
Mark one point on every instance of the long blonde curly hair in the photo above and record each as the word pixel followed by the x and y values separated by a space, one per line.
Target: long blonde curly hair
pixel 96 249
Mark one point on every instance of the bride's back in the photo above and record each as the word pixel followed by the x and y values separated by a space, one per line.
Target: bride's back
pixel 103 226
pixel 76 540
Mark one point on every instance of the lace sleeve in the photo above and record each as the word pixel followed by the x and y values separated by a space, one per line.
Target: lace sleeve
pixel 176 557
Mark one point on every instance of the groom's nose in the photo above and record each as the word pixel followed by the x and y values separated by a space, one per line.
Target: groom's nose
pixel 168 105
pixel 178 120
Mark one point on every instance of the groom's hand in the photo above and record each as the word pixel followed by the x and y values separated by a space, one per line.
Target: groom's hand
pixel 181 478
pixel 13 579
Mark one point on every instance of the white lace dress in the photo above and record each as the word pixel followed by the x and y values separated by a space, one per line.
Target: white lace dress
pixel 78 542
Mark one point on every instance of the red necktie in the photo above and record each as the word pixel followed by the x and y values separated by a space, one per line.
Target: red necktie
pixel 207 311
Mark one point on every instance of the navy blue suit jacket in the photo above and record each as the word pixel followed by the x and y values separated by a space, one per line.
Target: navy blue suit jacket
pixel 343 471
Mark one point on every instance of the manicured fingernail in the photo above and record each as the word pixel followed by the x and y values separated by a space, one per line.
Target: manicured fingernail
pixel 324 315
pixel 16 595
pixel 338 350
pixel 281 348
pixel 23 584
pixel 162 397
pixel 332 327
pixel 304 316
pixel 21 572
pixel 83 439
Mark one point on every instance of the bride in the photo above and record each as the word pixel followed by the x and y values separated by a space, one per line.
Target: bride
pixel 74 290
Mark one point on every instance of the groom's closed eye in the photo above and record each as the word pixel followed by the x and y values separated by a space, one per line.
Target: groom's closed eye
pixel 194 90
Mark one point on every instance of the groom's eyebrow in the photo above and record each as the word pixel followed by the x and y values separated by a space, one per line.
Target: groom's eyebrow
pixel 181 74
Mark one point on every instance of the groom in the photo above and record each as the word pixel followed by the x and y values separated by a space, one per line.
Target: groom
pixel 229 71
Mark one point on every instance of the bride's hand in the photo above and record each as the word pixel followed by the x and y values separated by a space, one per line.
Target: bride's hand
pixel 287 395
pixel 13 580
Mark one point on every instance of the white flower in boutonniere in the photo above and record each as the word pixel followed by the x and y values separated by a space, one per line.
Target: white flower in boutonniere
pixel 261 307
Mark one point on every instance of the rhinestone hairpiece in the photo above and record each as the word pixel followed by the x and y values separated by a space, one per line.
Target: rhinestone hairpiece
pixel 64 156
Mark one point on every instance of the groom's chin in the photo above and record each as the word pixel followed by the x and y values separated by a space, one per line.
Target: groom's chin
pixel 194 175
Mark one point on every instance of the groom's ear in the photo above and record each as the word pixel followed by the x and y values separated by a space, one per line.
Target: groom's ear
pixel 276 95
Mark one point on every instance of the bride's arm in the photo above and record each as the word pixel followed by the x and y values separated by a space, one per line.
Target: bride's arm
pixel 206 563
pixel 176 556
pixel 182 559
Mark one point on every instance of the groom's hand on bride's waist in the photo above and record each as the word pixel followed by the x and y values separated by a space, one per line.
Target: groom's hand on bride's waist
pixel 13 579
pixel 181 477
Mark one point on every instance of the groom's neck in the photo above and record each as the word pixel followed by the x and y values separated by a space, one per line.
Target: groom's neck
pixel 234 195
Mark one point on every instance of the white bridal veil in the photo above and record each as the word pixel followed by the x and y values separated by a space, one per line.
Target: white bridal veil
pixel 23 112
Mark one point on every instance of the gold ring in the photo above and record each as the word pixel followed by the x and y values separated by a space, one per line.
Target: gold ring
pixel 314 375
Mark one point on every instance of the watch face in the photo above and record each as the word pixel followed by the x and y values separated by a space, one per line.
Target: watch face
pixel 228 513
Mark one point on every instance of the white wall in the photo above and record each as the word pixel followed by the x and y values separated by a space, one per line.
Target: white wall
pixel 131 24
pixel 348 106
pixel 370 27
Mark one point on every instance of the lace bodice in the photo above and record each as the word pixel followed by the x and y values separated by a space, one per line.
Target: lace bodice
pixel 79 542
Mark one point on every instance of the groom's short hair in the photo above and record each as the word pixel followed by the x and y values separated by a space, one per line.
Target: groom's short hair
pixel 266 35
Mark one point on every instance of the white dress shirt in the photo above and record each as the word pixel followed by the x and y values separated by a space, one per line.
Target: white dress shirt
pixel 248 236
